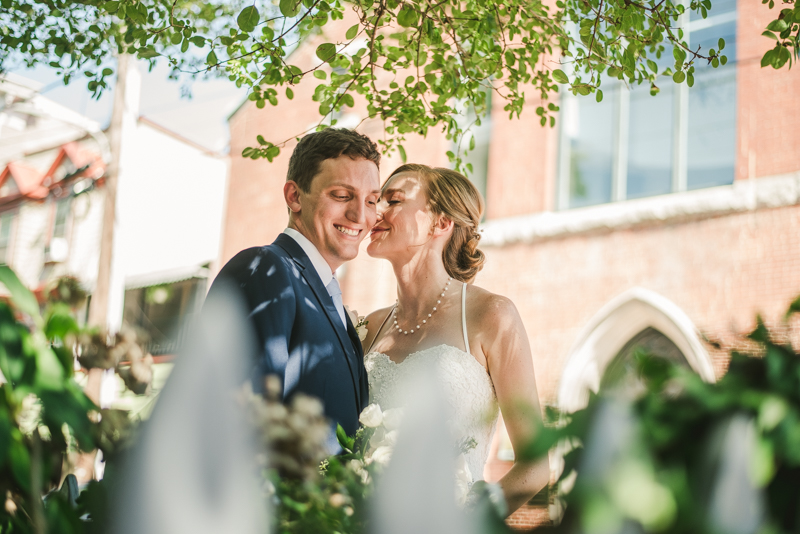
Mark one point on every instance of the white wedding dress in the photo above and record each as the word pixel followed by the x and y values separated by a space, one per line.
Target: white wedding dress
pixel 467 389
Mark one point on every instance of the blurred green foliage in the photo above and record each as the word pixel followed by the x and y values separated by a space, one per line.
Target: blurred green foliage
pixel 658 463
pixel 411 61
pixel 44 412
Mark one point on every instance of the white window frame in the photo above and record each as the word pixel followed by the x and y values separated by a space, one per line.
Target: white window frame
pixel 619 170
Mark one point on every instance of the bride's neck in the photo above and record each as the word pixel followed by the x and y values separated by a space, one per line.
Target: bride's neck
pixel 419 281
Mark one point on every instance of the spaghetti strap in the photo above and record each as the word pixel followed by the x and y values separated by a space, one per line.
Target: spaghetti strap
pixel 464 316
pixel 374 339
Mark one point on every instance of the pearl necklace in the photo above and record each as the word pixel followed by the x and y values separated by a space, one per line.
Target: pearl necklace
pixel 424 321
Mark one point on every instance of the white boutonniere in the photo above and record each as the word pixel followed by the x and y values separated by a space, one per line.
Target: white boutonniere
pixel 359 321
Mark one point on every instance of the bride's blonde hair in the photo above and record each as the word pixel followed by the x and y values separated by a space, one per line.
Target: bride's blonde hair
pixel 451 194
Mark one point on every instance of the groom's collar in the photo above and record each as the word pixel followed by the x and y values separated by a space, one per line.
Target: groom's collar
pixel 319 263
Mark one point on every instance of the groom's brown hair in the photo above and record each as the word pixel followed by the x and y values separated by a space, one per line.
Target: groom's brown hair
pixel 329 143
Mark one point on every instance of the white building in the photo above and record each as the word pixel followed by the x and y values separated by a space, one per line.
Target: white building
pixel 169 208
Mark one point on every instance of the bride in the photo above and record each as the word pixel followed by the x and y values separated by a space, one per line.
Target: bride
pixel 427 228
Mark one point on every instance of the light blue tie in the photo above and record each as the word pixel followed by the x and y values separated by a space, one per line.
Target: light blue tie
pixel 336 294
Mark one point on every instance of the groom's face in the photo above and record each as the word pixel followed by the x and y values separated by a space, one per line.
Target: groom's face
pixel 339 210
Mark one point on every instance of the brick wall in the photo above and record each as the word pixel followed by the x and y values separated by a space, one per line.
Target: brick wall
pixel 719 270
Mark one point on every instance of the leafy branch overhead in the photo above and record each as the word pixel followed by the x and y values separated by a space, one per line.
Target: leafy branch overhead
pixel 415 62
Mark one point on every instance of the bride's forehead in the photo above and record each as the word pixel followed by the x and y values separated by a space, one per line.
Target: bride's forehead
pixel 406 182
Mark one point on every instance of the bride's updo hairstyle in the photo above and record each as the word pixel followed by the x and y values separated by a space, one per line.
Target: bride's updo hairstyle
pixel 451 194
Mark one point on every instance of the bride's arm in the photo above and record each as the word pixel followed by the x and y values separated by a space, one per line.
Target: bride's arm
pixel 508 356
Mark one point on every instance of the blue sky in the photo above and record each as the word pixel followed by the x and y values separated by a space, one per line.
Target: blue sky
pixel 201 118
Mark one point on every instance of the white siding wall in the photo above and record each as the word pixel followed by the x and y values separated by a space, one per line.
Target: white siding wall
pixel 87 224
pixel 27 258
pixel 171 198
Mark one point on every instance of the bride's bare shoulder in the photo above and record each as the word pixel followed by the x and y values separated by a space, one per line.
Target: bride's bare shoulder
pixel 490 310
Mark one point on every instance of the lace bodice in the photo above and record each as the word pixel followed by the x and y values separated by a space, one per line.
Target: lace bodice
pixel 467 389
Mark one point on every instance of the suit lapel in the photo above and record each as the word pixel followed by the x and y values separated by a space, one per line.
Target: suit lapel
pixel 312 278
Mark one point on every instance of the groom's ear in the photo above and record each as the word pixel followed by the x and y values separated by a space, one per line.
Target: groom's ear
pixel 291 193
pixel 442 225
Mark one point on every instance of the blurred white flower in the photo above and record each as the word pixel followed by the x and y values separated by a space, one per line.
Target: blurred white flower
pixel 381 455
pixel 372 416
pixel 463 480
pixel 392 418
pixel 357 467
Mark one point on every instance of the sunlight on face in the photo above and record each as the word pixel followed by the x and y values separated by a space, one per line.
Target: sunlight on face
pixel 339 210
pixel 405 222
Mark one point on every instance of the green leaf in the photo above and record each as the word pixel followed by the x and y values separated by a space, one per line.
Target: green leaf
pixel 5 436
pixel 404 158
pixel 321 74
pixel 347 100
pixel 272 152
pixel 211 59
pixel 326 51
pixel 777 25
pixel 679 76
pixel 248 19
pixel 407 17
pixel 198 40
pixel 721 43
pixel 599 96
pixel 261 140
pixel 352 31
pixel 690 80
pixel 21 296
pixel 289 93
pixel 59 322
pixel 49 372
pixel 345 441
pixel 20 462
pixel 794 307
pixel 290 8
pixel 767 58
pixel 111 7
pixel 559 76
pixel 147 52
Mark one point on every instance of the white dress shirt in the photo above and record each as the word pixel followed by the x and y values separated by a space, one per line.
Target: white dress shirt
pixel 319 263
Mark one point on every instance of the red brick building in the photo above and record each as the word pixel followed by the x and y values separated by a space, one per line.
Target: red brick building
pixel 668 217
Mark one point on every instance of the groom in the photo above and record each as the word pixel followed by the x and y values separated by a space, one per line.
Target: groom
pixel 292 294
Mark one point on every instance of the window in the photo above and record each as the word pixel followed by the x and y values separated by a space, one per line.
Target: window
pixel 61 218
pixel 632 145
pixel 161 312
pixel 6 225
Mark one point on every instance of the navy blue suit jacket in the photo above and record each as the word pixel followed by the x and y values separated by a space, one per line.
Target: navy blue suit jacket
pixel 301 336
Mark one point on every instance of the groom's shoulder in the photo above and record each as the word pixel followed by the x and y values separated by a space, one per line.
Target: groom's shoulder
pixel 255 260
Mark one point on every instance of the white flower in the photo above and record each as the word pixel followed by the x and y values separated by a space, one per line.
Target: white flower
pixel 381 455
pixel 462 470
pixel 361 328
pixel 357 467
pixel 463 480
pixel 392 418
pixel 359 323
pixel 372 416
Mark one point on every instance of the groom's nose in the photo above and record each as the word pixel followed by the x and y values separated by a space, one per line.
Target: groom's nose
pixel 358 212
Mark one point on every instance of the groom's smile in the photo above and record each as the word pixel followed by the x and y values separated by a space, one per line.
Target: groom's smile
pixel 347 231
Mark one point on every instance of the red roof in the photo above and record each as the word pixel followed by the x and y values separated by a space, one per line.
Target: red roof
pixel 80 156
pixel 28 180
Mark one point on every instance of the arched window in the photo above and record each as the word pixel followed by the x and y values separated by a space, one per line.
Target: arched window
pixel 638 317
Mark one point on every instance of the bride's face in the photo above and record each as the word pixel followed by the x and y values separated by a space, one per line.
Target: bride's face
pixel 404 221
